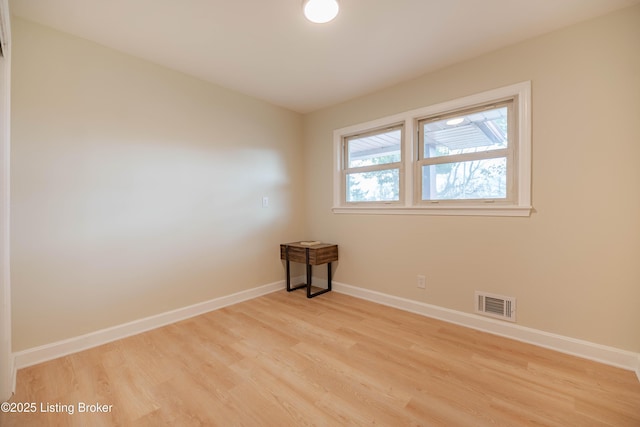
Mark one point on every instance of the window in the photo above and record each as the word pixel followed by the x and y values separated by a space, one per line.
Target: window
pixel 373 166
pixel 469 156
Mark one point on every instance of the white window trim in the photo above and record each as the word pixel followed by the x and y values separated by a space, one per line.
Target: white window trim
pixel 520 207
pixel 7 366
pixel 399 165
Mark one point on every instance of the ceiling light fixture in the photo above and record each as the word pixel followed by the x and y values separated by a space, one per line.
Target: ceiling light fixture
pixel 456 121
pixel 320 11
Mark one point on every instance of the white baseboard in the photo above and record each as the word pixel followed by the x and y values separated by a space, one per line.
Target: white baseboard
pixel 14 374
pixel 599 353
pixel 608 355
pixel 54 350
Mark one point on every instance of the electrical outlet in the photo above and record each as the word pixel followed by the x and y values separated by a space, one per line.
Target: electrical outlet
pixel 422 282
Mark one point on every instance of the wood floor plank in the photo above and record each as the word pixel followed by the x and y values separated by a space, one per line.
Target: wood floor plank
pixel 286 360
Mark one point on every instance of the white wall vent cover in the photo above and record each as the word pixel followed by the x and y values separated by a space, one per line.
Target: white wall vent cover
pixel 497 306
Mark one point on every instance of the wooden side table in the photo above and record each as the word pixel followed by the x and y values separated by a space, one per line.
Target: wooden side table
pixel 321 253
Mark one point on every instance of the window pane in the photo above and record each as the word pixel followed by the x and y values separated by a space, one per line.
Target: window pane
pixel 375 149
pixel 477 179
pixel 471 133
pixel 376 186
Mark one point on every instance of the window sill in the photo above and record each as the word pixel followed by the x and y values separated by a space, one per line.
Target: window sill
pixel 522 211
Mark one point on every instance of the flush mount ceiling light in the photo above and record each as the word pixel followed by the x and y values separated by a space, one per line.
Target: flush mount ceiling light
pixel 456 121
pixel 320 11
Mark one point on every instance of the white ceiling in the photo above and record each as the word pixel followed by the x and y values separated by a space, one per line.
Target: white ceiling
pixel 265 48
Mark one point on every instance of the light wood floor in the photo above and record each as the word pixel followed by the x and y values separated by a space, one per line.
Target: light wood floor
pixel 283 360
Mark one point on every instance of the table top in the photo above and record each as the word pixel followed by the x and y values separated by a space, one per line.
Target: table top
pixel 319 245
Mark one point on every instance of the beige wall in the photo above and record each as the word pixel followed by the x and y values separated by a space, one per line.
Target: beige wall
pixel 574 265
pixel 137 189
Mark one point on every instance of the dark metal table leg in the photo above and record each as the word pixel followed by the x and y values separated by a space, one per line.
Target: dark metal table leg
pixel 309 295
pixel 289 288
pixel 286 256
pixel 309 274
pixel 323 291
